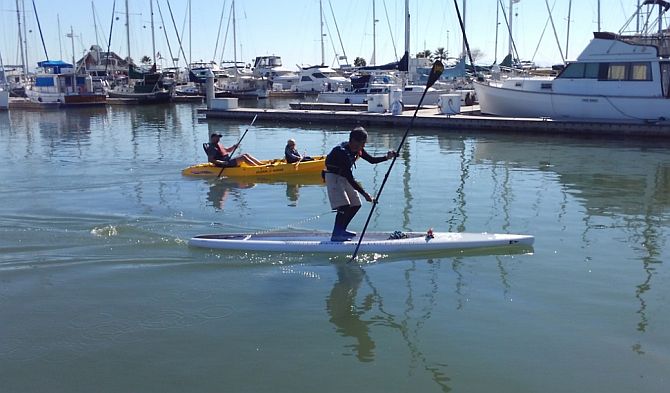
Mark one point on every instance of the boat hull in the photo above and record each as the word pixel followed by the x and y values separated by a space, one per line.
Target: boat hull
pixel 378 242
pixel 507 102
pixel 270 168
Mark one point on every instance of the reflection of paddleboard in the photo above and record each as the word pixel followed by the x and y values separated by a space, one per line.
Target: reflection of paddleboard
pixel 313 242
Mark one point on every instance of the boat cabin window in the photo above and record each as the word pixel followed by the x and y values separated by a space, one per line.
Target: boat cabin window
pixel 580 71
pixel 305 79
pixel 625 71
pixel 616 72
pixel 665 78
pixel 318 75
pixel 640 72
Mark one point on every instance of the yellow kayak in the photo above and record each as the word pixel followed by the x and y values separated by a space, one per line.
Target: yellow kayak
pixel 277 167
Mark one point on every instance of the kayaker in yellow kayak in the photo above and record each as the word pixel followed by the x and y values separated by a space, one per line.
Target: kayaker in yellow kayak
pixel 291 153
pixel 219 155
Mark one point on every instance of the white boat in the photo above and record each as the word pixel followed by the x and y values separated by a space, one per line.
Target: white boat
pixel 411 94
pixel 381 242
pixel 57 83
pixel 611 81
pixel 271 69
pixel 316 79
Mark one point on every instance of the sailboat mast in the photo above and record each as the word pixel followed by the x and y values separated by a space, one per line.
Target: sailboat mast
pixel 190 36
pixel 237 75
pixel 72 40
pixel 128 29
pixel 567 39
pixel 407 19
pixel 153 37
pixel 405 75
pixel 95 26
pixel 18 20
pixel 374 34
pixel 323 52
pixel 495 56
pixel 511 22
pixel 25 35
pixel 464 22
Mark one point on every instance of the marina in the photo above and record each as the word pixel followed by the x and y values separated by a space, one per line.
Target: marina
pixel 433 118
pixel 179 203
pixel 98 275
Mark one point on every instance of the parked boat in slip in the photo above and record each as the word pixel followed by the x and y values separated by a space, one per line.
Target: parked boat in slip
pixel 57 83
pixel 612 80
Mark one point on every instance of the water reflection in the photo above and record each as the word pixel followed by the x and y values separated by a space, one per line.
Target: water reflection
pixel 220 190
pixel 354 318
pixel 346 315
pixel 622 185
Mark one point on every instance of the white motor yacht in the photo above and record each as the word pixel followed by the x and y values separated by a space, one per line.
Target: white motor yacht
pixel 316 79
pixel 611 81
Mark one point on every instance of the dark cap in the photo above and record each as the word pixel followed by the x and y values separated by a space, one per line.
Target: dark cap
pixel 215 134
pixel 358 134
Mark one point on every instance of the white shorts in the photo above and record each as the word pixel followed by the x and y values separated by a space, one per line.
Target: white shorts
pixel 341 192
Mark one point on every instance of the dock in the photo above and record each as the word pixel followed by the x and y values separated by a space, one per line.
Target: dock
pixel 24 103
pixel 469 119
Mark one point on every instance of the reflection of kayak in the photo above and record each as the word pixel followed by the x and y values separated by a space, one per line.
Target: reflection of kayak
pixel 382 242
pixel 270 168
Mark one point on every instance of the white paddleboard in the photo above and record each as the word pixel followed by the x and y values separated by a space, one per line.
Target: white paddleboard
pixel 378 242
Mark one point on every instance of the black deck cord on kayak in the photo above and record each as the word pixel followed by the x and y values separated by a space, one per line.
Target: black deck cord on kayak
pixel 435 73
pixel 238 143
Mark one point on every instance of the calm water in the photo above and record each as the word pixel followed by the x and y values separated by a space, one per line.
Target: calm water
pixel 99 291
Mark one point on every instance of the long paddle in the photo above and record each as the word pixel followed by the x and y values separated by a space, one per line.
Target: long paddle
pixel 238 143
pixel 435 73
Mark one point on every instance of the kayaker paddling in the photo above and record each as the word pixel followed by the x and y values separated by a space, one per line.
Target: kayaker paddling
pixel 220 155
pixel 291 153
pixel 342 188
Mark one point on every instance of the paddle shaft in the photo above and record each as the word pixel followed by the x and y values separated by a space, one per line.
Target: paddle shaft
pixel 238 143
pixel 434 74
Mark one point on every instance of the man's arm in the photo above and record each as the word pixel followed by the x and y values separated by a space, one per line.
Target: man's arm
pixel 373 160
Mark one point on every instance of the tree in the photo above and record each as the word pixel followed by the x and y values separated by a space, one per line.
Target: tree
pixel 146 60
pixel 359 62
pixel 476 54
pixel 440 54
pixel 425 54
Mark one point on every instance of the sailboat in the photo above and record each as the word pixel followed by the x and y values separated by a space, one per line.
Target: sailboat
pixel 142 86
pixel 240 86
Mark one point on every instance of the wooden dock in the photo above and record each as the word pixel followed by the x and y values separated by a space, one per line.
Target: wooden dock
pixel 469 119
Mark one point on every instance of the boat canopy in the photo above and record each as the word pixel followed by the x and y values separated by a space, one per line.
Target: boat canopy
pixel 56 65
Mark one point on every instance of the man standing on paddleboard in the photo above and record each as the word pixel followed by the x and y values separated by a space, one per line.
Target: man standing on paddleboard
pixel 342 188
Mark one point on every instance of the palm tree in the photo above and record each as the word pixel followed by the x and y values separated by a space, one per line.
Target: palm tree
pixel 424 54
pixel 440 54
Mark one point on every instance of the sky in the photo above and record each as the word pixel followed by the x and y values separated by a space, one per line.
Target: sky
pixel 291 29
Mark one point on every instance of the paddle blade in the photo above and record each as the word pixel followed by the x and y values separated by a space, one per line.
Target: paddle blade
pixel 435 73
